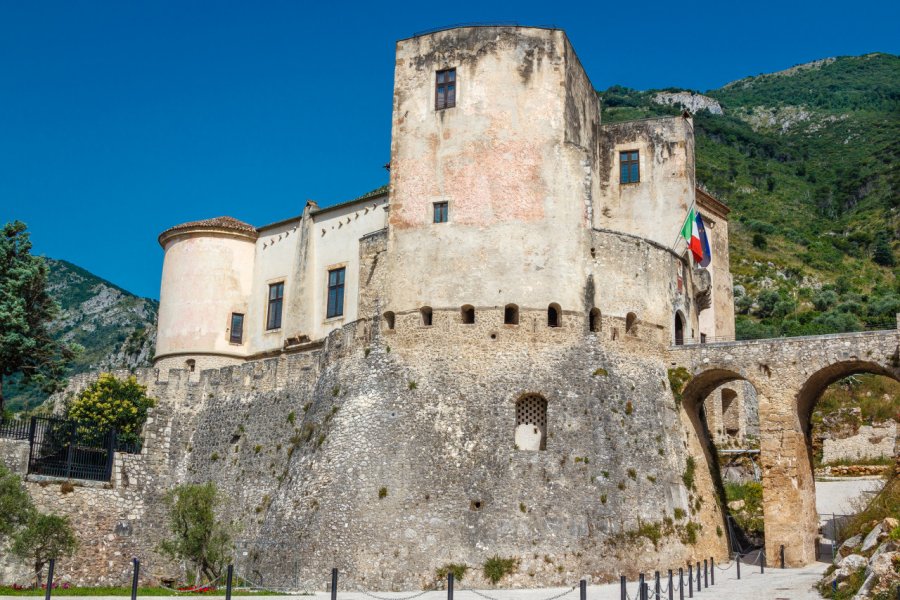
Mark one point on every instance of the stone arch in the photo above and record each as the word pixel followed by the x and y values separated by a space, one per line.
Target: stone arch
pixel 554 315
pixel 467 314
pixel 511 314
pixel 190 364
pixel 389 320
pixel 594 323
pixel 531 422
pixel 427 314
pixel 679 328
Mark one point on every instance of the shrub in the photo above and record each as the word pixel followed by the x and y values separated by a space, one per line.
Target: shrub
pixel 689 470
pixel 759 241
pixel 111 403
pixel 291 417
pixel 678 378
pixel 382 493
pixel 496 568
pixel 15 503
pixel 459 571
pixel 44 537
pixel 632 473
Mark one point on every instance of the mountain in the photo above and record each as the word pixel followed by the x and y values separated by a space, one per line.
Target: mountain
pixel 807 160
pixel 115 328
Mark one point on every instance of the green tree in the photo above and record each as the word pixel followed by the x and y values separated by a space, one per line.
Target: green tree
pixel 15 503
pixel 882 254
pixel 111 403
pixel 44 537
pixel 26 310
pixel 197 536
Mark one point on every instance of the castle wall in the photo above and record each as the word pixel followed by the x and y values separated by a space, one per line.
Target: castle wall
pixel 205 277
pixel 654 208
pixel 516 192
pixel 717 321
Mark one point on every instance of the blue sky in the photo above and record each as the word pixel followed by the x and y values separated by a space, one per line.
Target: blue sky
pixel 119 119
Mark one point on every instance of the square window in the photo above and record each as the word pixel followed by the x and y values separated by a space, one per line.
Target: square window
pixel 276 301
pixel 445 89
pixel 335 293
pixel 629 167
pixel 237 328
pixel 440 212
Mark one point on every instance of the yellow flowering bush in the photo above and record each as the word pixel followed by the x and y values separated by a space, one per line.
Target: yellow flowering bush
pixel 111 403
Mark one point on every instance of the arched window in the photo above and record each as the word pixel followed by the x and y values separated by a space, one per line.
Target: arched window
pixel 679 329
pixel 468 314
pixel 594 320
pixel 389 320
pixel 531 422
pixel 630 322
pixel 511 314
pixel 554 315
pixel 190 364
pixel 426 315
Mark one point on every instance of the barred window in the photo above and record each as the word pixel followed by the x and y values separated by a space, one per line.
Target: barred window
pixel 531 410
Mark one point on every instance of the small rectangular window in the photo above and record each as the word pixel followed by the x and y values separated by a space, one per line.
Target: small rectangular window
pixel 237 328
pixel 335 293
pixel 440 212
pixel 445 89
pixel 629 167
pixel 276 299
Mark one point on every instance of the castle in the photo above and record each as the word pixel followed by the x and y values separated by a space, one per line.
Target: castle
pixel 493 357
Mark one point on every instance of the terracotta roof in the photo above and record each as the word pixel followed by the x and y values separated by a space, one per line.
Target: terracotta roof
pixel 217 223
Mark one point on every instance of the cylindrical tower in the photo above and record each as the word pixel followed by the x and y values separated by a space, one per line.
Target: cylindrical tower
pixel 203 299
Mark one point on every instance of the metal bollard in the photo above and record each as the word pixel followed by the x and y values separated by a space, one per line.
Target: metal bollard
pixel 334 584
pixel 50 578
pixel 705 573
pixel 762 562
pixel 671 589
pixel 624 595
pixel 738 565
pixel 641 588
pixel 712 571
pixel 782 555
pixel 690 580
pixel 699 577
pixel 450 585
pixel 229 574
pixel 680 583
pixel 658 589
pixel 582 585
pixel 134 577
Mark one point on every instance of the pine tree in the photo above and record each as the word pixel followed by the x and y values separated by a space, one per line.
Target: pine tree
pixel 27 347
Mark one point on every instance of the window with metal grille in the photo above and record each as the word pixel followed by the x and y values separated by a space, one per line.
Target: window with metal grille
pixel 629 169
pixel 335 293
pixel 440 212
pixel 445 89
pixel 237 328
pixel 531 409
pixel 276 300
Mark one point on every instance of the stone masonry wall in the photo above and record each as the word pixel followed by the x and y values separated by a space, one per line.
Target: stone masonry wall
pixel 878 441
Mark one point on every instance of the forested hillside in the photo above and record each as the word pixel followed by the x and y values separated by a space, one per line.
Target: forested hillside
pixel 807 160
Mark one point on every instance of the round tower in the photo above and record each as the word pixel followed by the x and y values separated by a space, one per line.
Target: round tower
pixel 206 280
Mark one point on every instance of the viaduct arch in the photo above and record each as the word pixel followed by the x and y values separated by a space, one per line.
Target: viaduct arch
pixel 789 375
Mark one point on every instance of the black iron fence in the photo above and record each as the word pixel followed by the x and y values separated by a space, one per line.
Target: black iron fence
pixel 14 429
pixel 59 448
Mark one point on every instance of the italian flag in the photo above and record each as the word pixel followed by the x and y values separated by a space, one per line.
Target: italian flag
pixel 691 235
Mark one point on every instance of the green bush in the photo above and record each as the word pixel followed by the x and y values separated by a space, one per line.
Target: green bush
pixel 459 571
pixel 44 537
pixel 496 568
pixel 111 403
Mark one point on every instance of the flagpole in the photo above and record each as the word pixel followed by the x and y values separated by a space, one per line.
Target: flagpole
pixel 678 237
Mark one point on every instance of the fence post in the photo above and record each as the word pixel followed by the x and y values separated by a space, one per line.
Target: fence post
pixel 658 589
pixel 690 580
pixel 31 432
pixel 671 589
pixel 699 577
pixel 583 588
pixel 680 583
pixel 70 452
pixel 833 535
pixel 334 584
pixel 762 561
pixel 624 594
pixel 641 594
pixel 739 566
pixel 134 577
pixel 712 571
pixel 228 576
pixel 781 551
pixel 50 579
pixel 110 453
pixel 449 585
pixel 705 573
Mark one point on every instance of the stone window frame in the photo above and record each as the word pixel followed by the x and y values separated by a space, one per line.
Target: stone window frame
pixel 524 413
pixel 554 310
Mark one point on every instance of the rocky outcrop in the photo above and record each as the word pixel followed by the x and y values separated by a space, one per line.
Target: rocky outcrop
pixel 690 101
pixel 876 555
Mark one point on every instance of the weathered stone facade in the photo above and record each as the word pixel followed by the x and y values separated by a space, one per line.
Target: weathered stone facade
pixel 871 441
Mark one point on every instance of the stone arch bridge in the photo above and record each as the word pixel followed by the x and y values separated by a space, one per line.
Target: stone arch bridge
pixel 789 375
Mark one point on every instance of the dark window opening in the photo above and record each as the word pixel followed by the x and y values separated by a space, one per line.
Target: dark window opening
pixel 702 338
pixel 237 328
pixel 389 320
pixel 594 320
pixel 679 330
pixel 629 168
pixel 554 315
pixel 191 364
pixel 630 322
pixel 468 314
pixel 511 314
pixel 445 89
pixel 276 300
pixel 440 212
pixel 335 293
pixel 531 411
pixel 426 315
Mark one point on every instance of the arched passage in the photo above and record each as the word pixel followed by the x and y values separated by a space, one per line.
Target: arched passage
pixel 679 329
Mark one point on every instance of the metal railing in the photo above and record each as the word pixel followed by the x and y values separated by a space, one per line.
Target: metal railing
pixel 59 448
pixel 14 429
pixel 713 339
